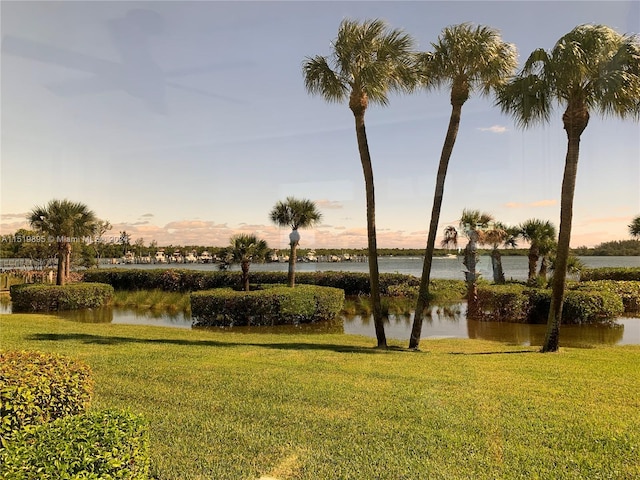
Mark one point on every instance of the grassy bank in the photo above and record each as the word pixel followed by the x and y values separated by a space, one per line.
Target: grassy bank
pixel 240 406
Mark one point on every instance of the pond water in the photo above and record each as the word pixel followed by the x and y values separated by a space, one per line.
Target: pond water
pixel 450 322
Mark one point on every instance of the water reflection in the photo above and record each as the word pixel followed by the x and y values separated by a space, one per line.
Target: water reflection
pixel 527 334
pixel 447 321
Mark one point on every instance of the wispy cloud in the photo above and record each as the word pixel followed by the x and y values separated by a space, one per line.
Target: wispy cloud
pixel 10 216
pixel 544 203
pixel 493 129
pixel 539 203
pixel 329 204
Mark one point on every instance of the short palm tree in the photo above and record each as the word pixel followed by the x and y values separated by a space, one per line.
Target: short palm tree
pixel 368 61
pixel 541 236
pixel 296 214
pixel 499 235
pixel 474 225
pixel 634 227
pixel 465 59
pixel 65 222
pixel 244 249
pixel 478 228
pixel 591 68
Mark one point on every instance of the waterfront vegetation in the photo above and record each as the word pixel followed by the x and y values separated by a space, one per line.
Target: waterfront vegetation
pixel 323 406
pixel 153 300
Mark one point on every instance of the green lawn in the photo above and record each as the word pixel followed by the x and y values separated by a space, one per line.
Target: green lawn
pixel 225 405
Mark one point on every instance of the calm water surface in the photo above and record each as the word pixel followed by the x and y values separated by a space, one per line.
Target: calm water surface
pixel 449 322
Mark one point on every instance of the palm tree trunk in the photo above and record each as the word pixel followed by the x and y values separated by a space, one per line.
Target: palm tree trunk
pixel 533 263
pixel 552 338
pixel 291 277
pixel 67 264
pixel 61 264
pixel 544 267
pixel 245 275
pixel 471 276
pixel 374 277
pixel 496 266
pixel 423 291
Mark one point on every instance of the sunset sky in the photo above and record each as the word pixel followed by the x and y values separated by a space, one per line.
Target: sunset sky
pixel 185 122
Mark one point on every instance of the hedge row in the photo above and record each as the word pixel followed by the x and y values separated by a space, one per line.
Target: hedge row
pixel 36 388
pixel 177 280
pixel 29 297
pixel 516 303
pixel 272 305
pixel 628 291
pixel 96 445
pixel 609 273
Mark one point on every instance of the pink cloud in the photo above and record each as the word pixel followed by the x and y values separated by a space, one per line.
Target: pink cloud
pixel 543 203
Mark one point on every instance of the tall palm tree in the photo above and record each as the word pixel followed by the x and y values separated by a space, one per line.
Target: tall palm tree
pixel 634 227
pixel 65 222
pixel 368 61
pixel 541 236
pixel 296 214
pixel 465 59
pixel 244 249
pixel 591 68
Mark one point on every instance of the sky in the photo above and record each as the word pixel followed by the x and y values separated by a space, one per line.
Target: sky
pixel 185 122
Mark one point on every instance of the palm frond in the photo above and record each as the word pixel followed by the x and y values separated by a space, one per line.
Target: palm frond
pixel 320 79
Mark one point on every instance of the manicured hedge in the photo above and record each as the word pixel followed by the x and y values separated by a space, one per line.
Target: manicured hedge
pixel 177 280
pixel 95 445
pixel 43 298
pixel 37 388
pixel 503 303
pixel 609 273
pixel 272 305
pixel 629 291
pixel 514 303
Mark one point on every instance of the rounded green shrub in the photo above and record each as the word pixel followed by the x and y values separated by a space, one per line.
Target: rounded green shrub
pixel 503 303
pixel 95 445
pixel 37 388
pixel 29 297
pixel 271 305
pixel 629 291
pixel 579 307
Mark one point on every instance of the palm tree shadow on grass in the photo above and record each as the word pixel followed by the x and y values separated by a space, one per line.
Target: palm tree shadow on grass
pixel 115 340
pixel 509 352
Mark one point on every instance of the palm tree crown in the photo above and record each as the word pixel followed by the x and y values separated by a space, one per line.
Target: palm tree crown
pixel 467 59
pixel 295 213
pixel 247 248
pixel 591 68
pixel 368 61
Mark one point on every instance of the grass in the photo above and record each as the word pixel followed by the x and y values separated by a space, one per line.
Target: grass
pixel 228 405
